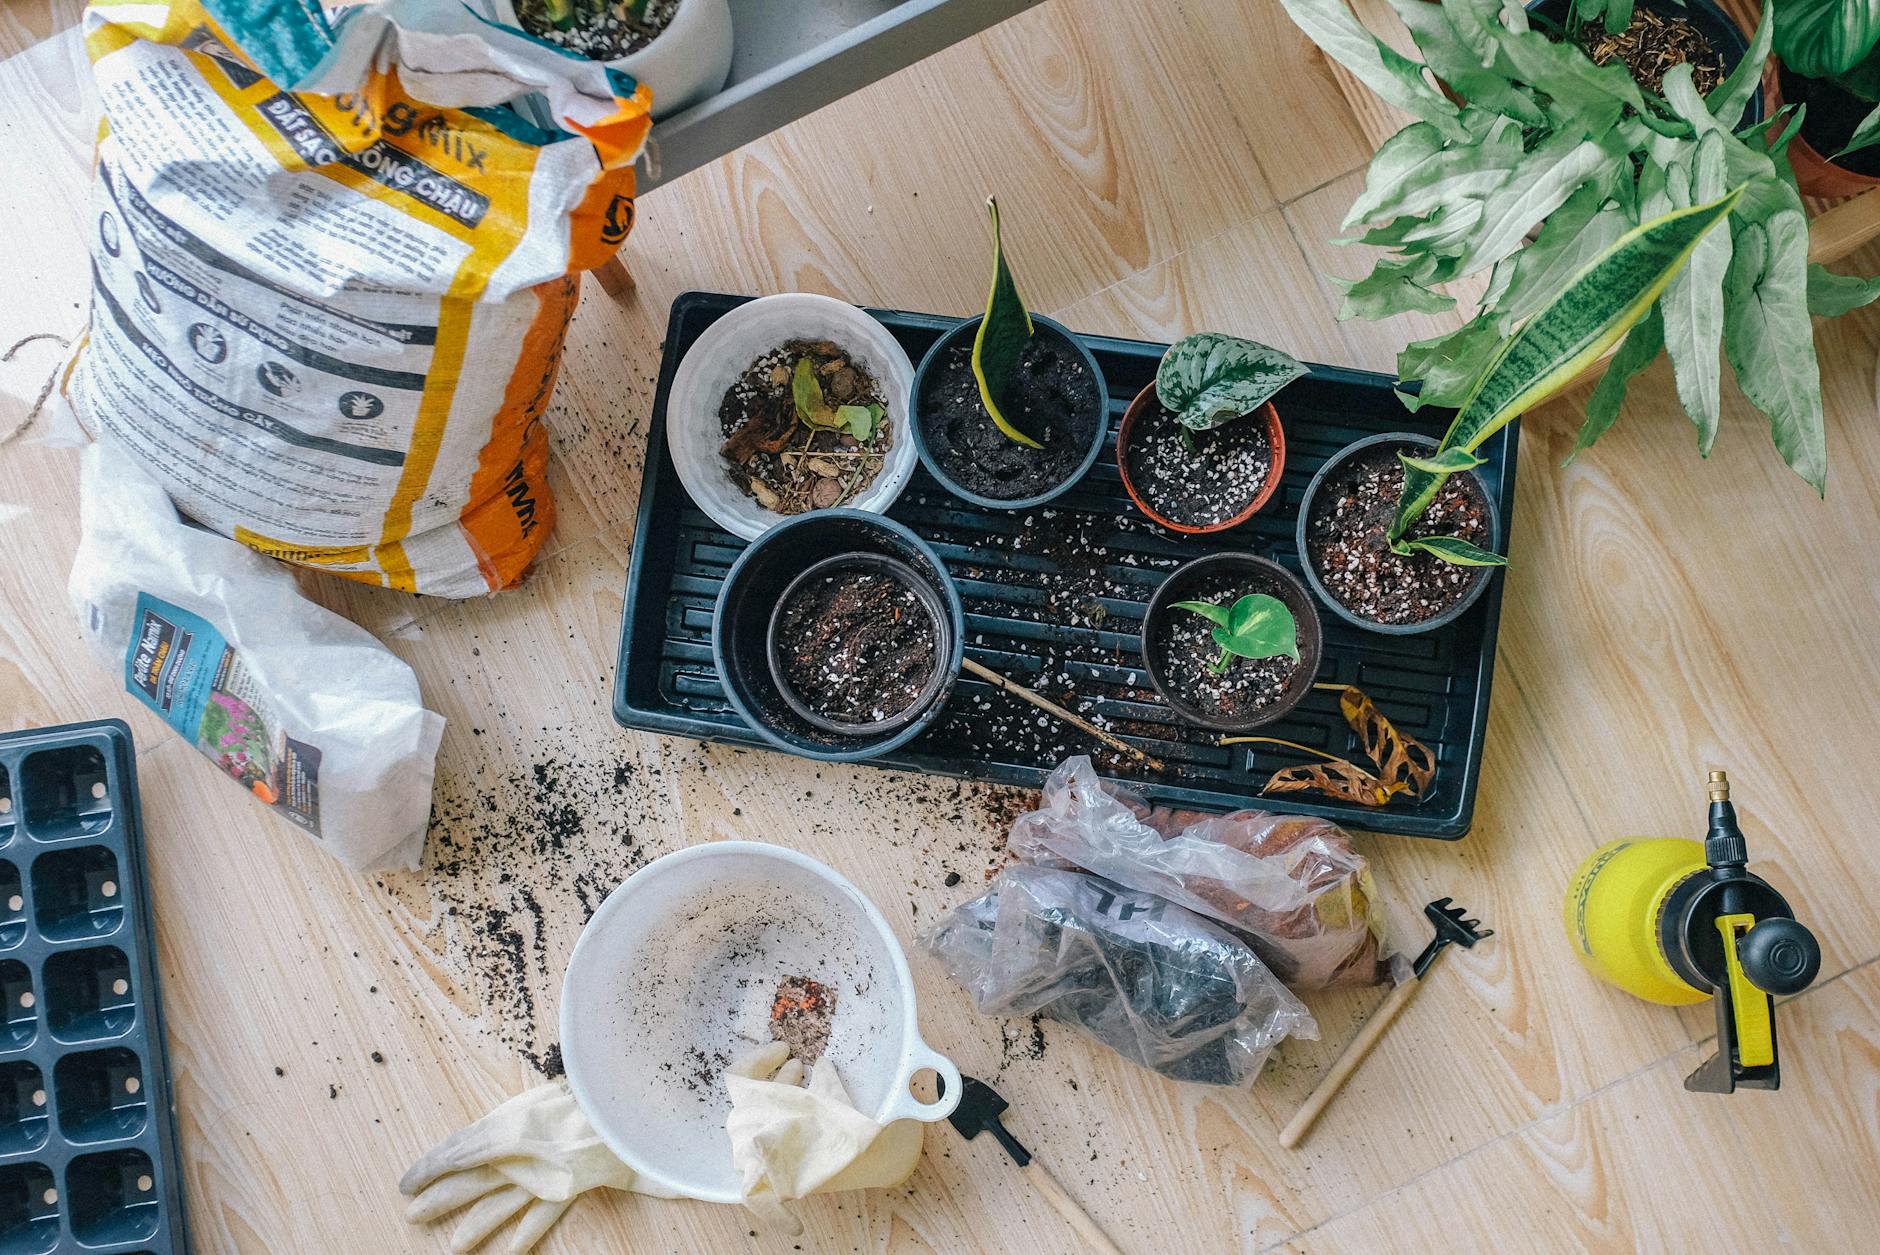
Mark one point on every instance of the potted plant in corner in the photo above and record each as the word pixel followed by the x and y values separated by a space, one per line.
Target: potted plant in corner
pixel 1231 641
pixel 1827 67
pixel 1201 448
pixel 1010 409
pixel 1533 133
pixel 1389 536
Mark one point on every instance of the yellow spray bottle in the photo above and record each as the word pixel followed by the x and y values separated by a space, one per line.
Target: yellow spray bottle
pixel 1676 922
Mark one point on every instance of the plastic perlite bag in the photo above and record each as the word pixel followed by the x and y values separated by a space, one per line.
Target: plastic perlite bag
pixel 302 708
pixel 333 269
pixel 1156 983
pixel 1292 886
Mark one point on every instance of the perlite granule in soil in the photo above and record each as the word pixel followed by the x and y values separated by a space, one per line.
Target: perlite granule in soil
pixel 1186 644
pixel 1200 478
pixel 601 30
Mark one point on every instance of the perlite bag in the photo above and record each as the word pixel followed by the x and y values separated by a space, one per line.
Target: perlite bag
pixel 333 269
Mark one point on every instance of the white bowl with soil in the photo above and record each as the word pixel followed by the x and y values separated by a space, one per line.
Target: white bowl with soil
pixel 1057 390
pixel 681 49
pixel 735 435
pixel 808 646
pixel 679 973
pixel 1343 547
pixel 1198 482
pixel 1178 646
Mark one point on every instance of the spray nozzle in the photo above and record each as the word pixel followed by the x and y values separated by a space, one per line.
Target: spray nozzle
pixel 1724 846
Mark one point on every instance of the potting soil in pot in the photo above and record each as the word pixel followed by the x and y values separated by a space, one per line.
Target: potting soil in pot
pixel 1346 541
pixel 1206 483
pixel 1651 45
pixel 1052 392
pixel 857 648
pixel 784 463
pixel 601 30
pixel 1186 644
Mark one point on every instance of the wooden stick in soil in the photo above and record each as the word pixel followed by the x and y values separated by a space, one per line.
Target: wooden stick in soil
pixel 1052 708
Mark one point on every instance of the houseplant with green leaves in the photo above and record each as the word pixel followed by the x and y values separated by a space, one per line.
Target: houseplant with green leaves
pixel 1536 160
pixel 1831 71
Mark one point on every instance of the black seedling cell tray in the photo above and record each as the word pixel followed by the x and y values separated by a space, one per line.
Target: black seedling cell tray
pixel 88 1158
pixel 1054 600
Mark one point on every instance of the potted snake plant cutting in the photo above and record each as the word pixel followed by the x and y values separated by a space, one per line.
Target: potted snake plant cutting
pixel 1396 533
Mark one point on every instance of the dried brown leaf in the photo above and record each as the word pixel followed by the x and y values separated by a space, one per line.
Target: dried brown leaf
pixel 1401 760
pixel 1343 780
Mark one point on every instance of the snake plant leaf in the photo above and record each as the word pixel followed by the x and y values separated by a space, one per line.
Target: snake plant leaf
pixel 1692 306
pixel 1730 97
pixel 1453 549
pixel 1821 38
pixel 1586 224
pixel 1830 295
pixel 1443 462
pixel 1394 77
pixel 1001 338
pixel 1584 319
pixel 1640 349
pixel 1209 378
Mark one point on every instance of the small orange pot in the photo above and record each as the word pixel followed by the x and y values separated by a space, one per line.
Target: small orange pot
pixel 1275 439
pixel 1815 174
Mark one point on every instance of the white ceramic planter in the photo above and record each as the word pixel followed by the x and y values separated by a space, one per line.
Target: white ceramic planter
pixel 655 980
pixel 688 62
pixel 727 348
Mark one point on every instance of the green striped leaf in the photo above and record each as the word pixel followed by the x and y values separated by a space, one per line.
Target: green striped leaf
pixel 1584 319
pixel 1001 338
pixel 1208 379
pixel 1453 549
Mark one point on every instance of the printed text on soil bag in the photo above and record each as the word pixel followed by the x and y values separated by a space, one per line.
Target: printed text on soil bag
pixel 397 170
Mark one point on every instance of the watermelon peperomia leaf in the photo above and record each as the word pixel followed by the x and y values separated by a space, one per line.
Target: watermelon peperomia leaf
pixel 1001 339
pixel 1208 379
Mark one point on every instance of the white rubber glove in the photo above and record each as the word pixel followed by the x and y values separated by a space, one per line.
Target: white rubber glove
pixel 790 1140
pixel 529 1157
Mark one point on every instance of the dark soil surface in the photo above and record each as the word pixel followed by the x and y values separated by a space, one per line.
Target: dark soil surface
pixel 1208 484
pixel 1184 641
pixel 1651 45
pixel 601 31
pixel 856 648
pixel 1052 392
pixel 1345 540
pixel 785 464
pixel 1833 113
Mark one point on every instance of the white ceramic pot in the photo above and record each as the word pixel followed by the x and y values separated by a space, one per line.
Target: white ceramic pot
pixel 688 62
pixel 727 348
pixel 675 975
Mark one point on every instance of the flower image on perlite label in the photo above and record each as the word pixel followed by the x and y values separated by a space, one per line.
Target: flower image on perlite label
pixel 180 667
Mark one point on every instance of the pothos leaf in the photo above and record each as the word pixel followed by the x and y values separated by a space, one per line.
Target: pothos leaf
pixel 1255 626
pixel 1001 338
pixel 1209 378
pixel 1206 609
pixel 1451 549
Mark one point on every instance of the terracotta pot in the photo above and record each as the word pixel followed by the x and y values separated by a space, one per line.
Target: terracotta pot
pixel 1815 174
pixel 1276 441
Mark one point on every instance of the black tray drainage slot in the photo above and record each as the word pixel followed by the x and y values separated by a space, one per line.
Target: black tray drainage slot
pixel 66 792
pixel 113 1197
pixel 77 894
pixel 23 1121
pixel 89 995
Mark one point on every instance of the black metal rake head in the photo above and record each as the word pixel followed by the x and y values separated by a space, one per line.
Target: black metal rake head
pixel 1450 925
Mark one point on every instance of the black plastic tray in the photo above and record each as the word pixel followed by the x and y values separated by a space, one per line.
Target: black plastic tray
pixel 1434 686
pixel 88 1156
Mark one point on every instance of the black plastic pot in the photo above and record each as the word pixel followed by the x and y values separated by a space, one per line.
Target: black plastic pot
pixel 1100 428
pixel 1262 576
pixel 858 564
pixel 1405 440
pixel 755 586
pixel 1711 21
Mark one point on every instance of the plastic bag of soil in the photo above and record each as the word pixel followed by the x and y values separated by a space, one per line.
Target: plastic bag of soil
pixel 1293 886
pixel 1158 984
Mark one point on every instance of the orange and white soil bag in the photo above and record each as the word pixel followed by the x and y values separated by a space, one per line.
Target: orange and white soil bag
pixel 333 267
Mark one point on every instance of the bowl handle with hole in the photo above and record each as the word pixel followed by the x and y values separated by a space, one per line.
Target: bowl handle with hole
pixel 902 1105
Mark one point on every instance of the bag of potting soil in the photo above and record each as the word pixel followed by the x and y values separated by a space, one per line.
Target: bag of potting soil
pixel 333 269
pixel 301 708
pixel 1154 982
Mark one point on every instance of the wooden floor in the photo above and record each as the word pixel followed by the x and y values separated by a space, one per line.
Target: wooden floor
pixel 1663 615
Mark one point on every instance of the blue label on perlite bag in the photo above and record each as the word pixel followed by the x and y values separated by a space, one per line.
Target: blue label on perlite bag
pixel 183 669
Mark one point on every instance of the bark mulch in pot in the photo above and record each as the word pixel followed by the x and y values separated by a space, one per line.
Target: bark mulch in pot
pixel 785 464
pixel 1651 45
pixel 1346 544
pixel 856 647
pixel 1052 392
pixel 1203 484
pixel 1184 641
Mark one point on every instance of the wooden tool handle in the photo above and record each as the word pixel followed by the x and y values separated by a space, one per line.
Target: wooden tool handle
pixel 1348 1062
pixel 1066 1206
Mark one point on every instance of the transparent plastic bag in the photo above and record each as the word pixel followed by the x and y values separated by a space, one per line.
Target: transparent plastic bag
pixel 1293 886
pixel 1158 984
